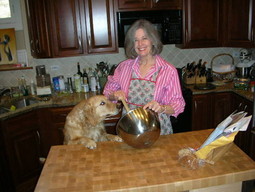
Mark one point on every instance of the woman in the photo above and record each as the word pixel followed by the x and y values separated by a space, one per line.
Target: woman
pixel 145 79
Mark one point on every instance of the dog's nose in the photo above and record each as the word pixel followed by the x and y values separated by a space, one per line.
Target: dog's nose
pixel 119 105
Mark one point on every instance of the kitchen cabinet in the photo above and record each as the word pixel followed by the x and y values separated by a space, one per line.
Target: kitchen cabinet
pixel 208 110
pixel 128 5
pixel 201 110
pixel 244 139
pixel 52 121
pixel 38 28
pixel 238 23
pixel 201 21
pixel 217 23
pixel 20 140
pixel 66 27
pixel 221 108
pixel 100 26
pixel 76 27
pixel 52 129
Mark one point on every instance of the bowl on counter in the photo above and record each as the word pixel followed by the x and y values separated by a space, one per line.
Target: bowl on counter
pixel 139 128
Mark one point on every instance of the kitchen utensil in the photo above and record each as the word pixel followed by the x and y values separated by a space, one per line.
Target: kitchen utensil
pixel 139 128
pixel 243 69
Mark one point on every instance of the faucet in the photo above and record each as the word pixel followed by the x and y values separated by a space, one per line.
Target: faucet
pixel 5 92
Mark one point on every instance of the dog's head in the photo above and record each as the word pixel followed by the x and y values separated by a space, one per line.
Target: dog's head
pixel 99 107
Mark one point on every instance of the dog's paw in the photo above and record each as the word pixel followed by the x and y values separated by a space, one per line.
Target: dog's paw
pixel 117 138
pixel 91 145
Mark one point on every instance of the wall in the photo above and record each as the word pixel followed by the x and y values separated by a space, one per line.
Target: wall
pixel 67 66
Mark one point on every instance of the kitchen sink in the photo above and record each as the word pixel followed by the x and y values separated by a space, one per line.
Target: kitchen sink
pixel 18 103
pixel 3 110
pixel 25 102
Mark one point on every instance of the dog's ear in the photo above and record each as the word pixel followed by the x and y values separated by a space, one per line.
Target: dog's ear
pixel 89 114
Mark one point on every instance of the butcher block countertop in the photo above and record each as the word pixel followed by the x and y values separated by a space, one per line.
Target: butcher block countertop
pixel 118 167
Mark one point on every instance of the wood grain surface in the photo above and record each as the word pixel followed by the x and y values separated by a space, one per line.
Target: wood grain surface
pixel 119 167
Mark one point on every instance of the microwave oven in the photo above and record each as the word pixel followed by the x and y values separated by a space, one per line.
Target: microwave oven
pixel 167 22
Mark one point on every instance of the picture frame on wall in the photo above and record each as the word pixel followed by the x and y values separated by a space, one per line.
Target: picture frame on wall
pixel 8 51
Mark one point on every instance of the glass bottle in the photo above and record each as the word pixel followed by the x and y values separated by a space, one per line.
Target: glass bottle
pixel 79 70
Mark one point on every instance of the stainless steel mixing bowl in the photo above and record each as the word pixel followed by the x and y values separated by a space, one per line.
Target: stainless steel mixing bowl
pixel 139 128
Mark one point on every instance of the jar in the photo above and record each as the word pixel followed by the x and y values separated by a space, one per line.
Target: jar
pixel 77 83
pixel 252 86
pixel 241 83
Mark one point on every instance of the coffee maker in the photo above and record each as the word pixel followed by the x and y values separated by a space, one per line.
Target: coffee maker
pixel 43 81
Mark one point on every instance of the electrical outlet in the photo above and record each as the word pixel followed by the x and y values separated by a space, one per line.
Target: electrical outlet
pixel 236 54
pixel 54 67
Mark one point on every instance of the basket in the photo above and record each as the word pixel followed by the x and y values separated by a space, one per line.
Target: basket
pixel 223 76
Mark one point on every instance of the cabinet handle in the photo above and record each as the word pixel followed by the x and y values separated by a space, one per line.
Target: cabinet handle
pixel 39 137
pixel 252 38
pixel 31 43
pixel 195 105
pixel 37 46
pixel 89 39
pixel 79 41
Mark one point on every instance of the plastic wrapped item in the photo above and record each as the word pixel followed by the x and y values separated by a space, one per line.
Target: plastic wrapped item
pixel 188 159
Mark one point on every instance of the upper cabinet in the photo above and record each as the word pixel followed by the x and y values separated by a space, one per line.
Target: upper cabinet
pixel 38 28
pixel 127 5
pixel 66 27
pixel 218 23
pixel 72 27
pixel 100 26
pixel 238 23
pixel 201 23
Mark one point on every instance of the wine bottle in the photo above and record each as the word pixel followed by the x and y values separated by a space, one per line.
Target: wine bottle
pixel 79 70
pixel 85 77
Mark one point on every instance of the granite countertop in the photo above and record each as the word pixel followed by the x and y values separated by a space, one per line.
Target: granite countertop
pixel 228 87
pixel 68 99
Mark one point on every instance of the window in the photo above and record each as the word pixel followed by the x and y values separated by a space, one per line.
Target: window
pixel 10 14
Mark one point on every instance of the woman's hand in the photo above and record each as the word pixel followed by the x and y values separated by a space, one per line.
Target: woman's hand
pixel 118 95
pixel 154 106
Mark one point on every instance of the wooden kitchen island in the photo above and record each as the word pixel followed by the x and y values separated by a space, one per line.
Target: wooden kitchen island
pixel 118 167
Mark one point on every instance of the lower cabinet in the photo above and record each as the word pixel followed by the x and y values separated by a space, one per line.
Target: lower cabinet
pixel 20 152
pixel 52 121
pixel 26 138
pixel 245 139
pixel 208 110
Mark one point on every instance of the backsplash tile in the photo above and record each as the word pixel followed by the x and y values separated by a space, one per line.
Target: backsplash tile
pixel 67 66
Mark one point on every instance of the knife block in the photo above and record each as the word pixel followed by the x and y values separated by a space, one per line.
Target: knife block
pixel 194 79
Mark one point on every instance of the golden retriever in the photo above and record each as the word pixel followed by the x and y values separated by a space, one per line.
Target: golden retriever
pixel 85 123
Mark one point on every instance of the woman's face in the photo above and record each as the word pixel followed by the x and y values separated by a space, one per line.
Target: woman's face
pixel 143 44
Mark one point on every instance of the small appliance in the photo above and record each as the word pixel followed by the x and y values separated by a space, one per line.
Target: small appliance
pixel 43 81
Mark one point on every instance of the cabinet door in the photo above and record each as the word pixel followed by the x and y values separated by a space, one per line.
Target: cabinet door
pixel 38 29
pixel 131 4
pixel 65 27
pixel 52 122
pixel 244 139
pixel 201 23
pixel 100 26
pixel 167 4
pixel 238 23
pixel 222 107
pixel 201 112
pixel 22 141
